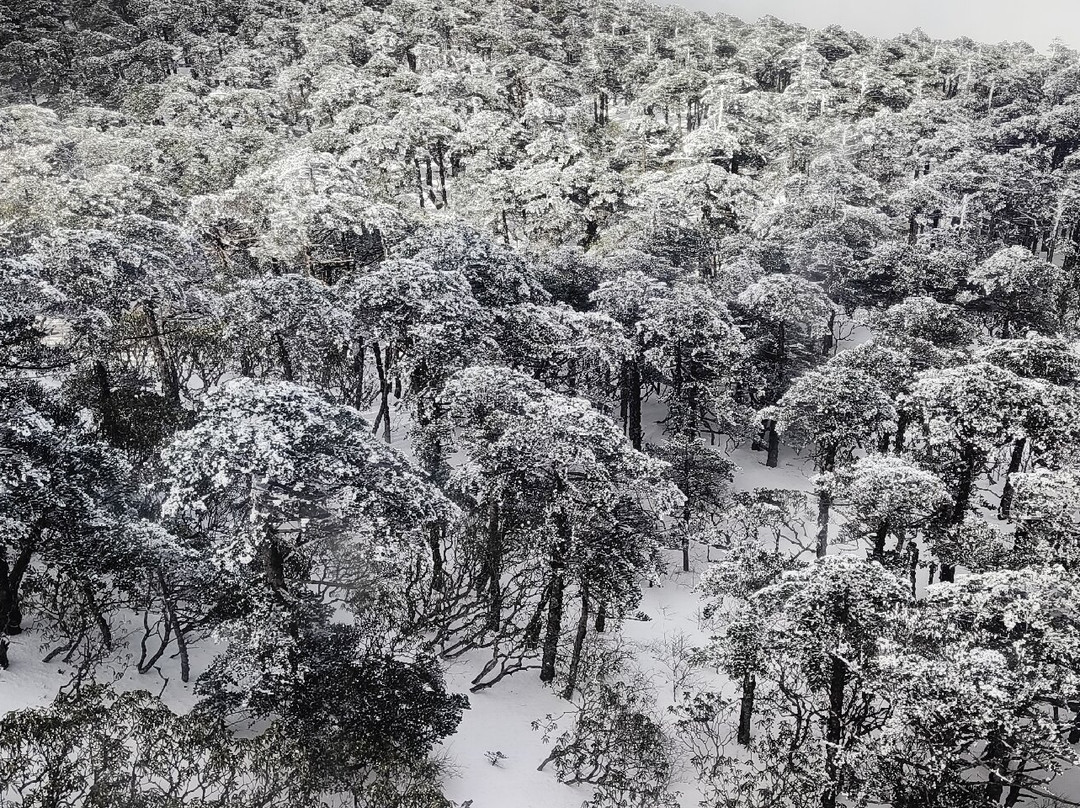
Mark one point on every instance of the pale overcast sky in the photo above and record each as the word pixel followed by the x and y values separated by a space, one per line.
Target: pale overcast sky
pixel 1035 21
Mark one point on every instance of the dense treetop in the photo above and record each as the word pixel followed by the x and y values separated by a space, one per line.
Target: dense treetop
pixel 342 339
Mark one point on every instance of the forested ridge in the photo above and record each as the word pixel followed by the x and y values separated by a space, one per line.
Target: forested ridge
pixel 343 342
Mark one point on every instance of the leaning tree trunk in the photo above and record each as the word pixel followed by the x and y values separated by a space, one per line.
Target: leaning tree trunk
pixel 435 537
pixel 382 366
pixel 178 629
pixel 11 576
pixel 579 642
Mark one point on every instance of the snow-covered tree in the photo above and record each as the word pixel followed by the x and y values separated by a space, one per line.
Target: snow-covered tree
pixel 968 413
pixel 561 491
pixel 791 312
pixel 70 518
pixel 882 496
pixel 289 492
pixel 833 409
pixel 976 690
pixel 817 634
pixel 1016 291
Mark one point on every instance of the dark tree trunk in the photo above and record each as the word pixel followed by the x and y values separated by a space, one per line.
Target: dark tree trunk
pixel 382 364
pixel 833 730
pixel 555 597
pixel 435 533
pixel 99 618
pixel 884 443
pixel 901 427
pixel 274 562
pixel 687 513
pixel 828 463
pixel 746 707
pixel 109 425
pixel 1015 459
pixel 441 162
pixel 579 643
pixel 419 182
pixel 1074 732
pixel 283 356
pixel 824 503
pixel 11 576
pixel 913 567
pixel 358 374
pixel 880 535
pixel 624 396
pixel 10 614
pixel 634 372
pixel 493 573
pixel 592 228
pixel 828 340
pixel 834 724
pixel 1015 791
pixel 772 457
pixel 964 489
pixel 178 629
pixel 997 761
pixel 170 378
pixel 532 628
pixel 601 618
pixel 554 626
pixel 1061 151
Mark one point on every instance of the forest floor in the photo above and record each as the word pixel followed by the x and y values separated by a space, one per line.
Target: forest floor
pixel 500 719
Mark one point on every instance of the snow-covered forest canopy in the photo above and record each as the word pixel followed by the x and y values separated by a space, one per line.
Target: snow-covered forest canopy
pixel 433 403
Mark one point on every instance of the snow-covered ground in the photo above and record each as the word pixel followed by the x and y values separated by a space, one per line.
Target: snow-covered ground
pixel 500 719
